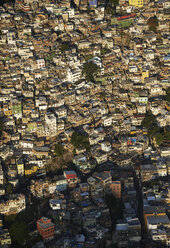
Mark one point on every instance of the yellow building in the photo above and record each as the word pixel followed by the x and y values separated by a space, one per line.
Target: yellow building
pixel 133 132
pixel 145 74
pixel 7 109
pixel 7 112
pixel 167 106
pixel 145 131
pixel 136 3
pixel 30 169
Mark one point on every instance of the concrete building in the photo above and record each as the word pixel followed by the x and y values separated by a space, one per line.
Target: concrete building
pixel 45 228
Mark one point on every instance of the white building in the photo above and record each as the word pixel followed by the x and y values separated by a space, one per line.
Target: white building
pixel 14 205
pixel 50 124
pixel 133 68
pixel 107 121
pixel 161 169
pixel 26 144
pixel 40 63
pixel 106 146
pixel 73 75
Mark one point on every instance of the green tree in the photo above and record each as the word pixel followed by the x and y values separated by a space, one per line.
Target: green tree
pixel 167 135
pixel 59 150
pixel 64 47
pixel 27 215
pixel 153 129
pixel 9 188
pixel 19 232
pixel 153 23
pixel 9 219
pixel 87 57
pixel 50 57
pixel 114 2
pixel 148 120
pixel 80 140
pixel 110 10
pixel 90 70
pixel 159 138
pixel 167 97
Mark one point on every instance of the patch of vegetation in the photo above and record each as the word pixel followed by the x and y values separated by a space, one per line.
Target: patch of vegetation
pixel 110 10
pixel 153 130
pixel 159 138
pixel 148 120
pixel 50 57
pixel 19 233
pixel 6 58
pixel 57 171
pixel 167 97
pixel 18 225
pixel 9 219
pixel 59 150
pixel 153 23
pixel 87 57
pixel 114 2
pixel 80 141
pixel 27 215
pixel 9 188
pixel 90 70
pixel 64 47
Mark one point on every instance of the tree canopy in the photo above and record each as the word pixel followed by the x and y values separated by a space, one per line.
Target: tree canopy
pixel 159 138
pixel 148 120
pixel 64 47
pixel 90 70
pixel 9 188
pixel 80 141
pixel 59 150
pixel 153 23
pixel 114 2
pixel 167 97
pixel 27 215
pixel 50 57
pixel 153 130
pixel 19 232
